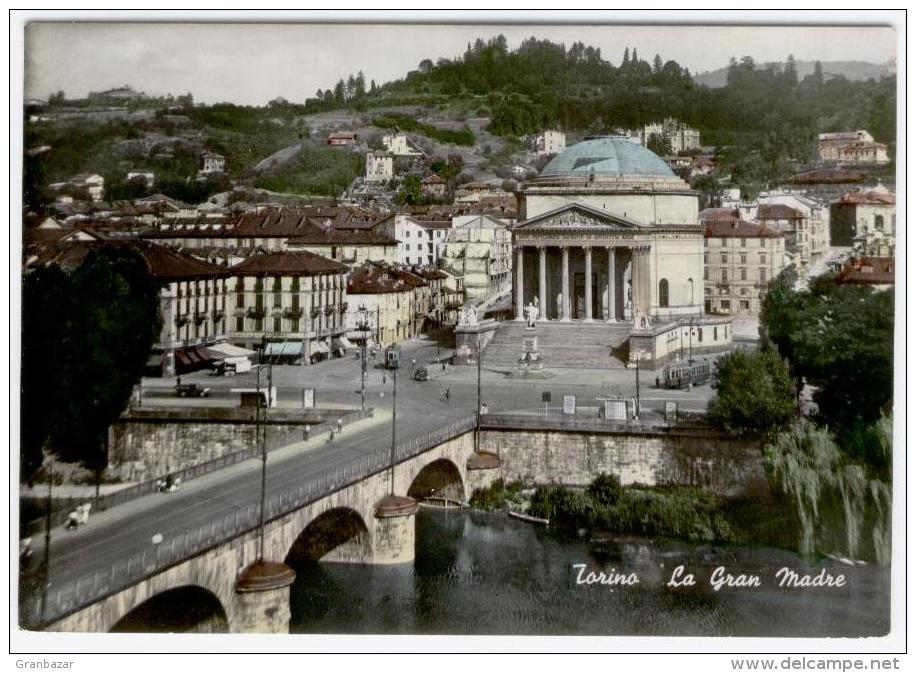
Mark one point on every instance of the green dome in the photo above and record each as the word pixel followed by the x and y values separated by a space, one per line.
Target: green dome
pixel 606 155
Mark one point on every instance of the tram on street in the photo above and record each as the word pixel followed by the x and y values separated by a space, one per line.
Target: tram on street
pixel 686 373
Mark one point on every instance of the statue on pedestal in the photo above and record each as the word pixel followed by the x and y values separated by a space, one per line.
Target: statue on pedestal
pixel 641 320
pixel 532 311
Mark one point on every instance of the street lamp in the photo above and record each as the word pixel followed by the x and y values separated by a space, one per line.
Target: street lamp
pixel 392 362
pixel 636 411
pixel 263 440
pixel 46 575
pixel 363 327
pixel 477 430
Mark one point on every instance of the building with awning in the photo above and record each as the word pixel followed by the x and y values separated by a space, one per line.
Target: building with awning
pixel 290 299
pixel 191 301
pixel 228 350
pixel 283 352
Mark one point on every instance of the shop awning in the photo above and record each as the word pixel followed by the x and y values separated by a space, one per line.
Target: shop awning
pixel 284 348
pixel 342 342
pixel 318 347
pixel 184 358
pixel 155 359
pixel 227 350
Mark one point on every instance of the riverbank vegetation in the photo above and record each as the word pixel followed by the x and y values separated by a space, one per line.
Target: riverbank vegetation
pixel 833 464
pixel 605 507
pixel 678 512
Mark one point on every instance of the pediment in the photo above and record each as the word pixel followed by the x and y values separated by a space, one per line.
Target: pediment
pixel 576 216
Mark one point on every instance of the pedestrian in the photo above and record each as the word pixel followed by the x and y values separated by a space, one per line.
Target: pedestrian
pixel 413 363
pixel 331 436
pixel 384 379
pixel 339 424
pixel 305 433
pixel 73 520
pixel 25 549
pixel 447 394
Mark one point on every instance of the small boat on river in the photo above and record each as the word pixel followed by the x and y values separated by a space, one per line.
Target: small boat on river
pixel 440 502
pixel 521 516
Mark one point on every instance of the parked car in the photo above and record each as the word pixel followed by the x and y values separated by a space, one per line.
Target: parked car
pixel 191 390
pixel 421 373
pixel 232 366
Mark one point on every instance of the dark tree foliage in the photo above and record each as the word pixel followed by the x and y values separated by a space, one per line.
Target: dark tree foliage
pixel 840 338
pixel 660 145
pixel 86 337
pixel 755 394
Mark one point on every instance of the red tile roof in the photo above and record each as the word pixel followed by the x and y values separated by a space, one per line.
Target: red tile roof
pixel 287 264
pixel 869 198
pixel 163 264
pixel 381 279
pixel 736 228
pixel 868 271
pixel 304 226
pixel 778 211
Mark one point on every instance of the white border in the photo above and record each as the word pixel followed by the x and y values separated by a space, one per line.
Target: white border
pixel 31 642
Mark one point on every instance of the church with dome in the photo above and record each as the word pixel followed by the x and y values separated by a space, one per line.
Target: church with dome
pixel 608 232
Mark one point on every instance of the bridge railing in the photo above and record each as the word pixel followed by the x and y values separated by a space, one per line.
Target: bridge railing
pixel 60 601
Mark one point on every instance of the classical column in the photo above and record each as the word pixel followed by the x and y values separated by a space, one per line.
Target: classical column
pixel 645 283
pixel 542 283
pixel 610 316
pixel 634 281
pixel 520 284
pixel 640 278
pixel 588 283
pixel 566 313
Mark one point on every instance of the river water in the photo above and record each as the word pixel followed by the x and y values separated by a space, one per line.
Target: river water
pixel 481 573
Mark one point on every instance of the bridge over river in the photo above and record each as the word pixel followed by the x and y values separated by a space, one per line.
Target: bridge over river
pixel 195 556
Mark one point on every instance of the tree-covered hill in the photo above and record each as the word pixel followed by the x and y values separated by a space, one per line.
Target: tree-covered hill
pixel 769 116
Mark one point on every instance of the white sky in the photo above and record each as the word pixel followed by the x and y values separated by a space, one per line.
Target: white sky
pixel 253 63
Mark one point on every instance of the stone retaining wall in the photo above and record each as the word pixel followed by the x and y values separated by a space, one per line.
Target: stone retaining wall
pixel 729 467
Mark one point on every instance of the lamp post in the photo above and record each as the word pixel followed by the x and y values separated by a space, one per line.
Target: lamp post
pixel 393 364
pixel 263 448
pixel 364 330
pixel 46 574
pixel 477 427
pixel 636 411
pixel 690 342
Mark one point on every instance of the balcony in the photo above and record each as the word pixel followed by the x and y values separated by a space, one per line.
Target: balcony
pixel 200 318
pixel 292 313
pixel 181 321
pixel 255 313
pixel 218 315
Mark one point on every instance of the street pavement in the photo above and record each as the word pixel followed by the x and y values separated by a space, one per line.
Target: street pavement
pixel 124 530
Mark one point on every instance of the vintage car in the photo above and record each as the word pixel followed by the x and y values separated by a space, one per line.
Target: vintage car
pixel 191 390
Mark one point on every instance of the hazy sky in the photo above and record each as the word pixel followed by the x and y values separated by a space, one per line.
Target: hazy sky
pixel 253 63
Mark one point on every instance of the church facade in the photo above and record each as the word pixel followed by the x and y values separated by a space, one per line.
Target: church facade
pixel 608 232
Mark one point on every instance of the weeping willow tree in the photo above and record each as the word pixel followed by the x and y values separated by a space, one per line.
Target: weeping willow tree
pixel 812 471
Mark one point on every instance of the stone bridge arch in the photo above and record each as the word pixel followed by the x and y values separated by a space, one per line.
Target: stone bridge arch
pixel 184 609
pixel 440 478
pixel 339 534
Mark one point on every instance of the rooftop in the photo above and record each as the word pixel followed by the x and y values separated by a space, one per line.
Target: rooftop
pixel 287 264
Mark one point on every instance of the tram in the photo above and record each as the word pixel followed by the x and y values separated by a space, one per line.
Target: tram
pixel 686 373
